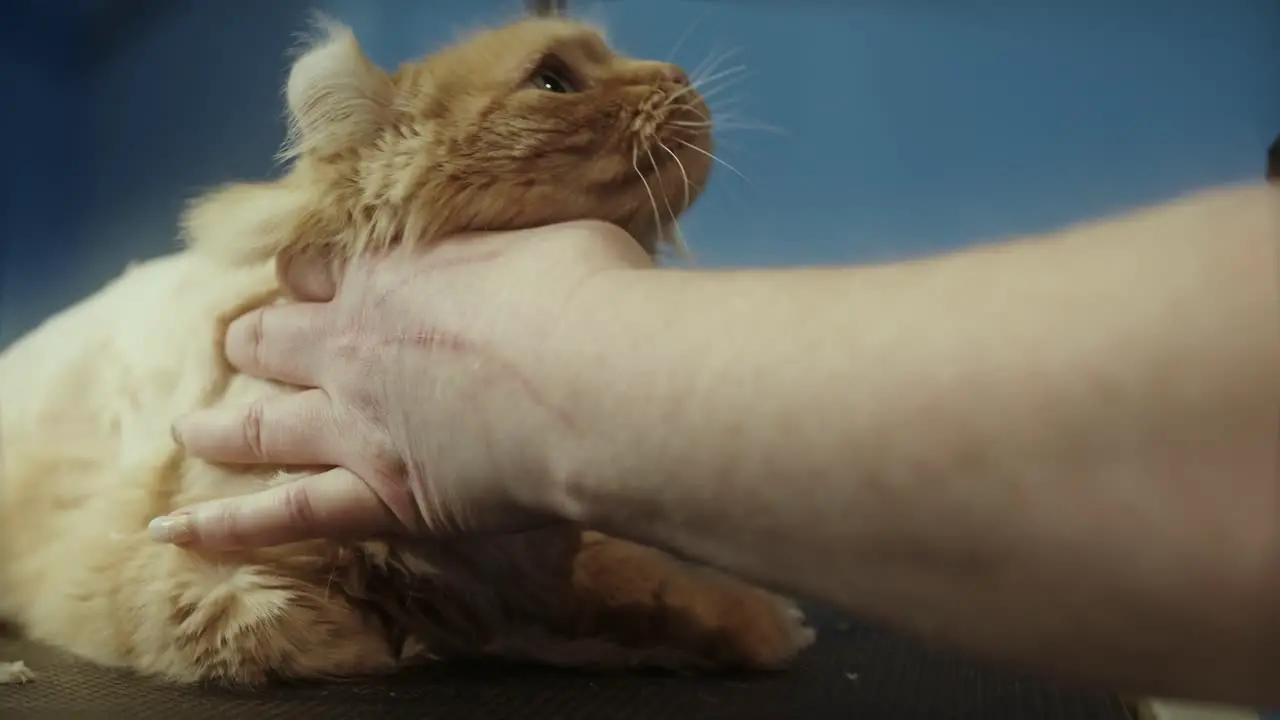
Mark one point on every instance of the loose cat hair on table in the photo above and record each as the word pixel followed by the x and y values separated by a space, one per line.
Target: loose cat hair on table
pixel 534 122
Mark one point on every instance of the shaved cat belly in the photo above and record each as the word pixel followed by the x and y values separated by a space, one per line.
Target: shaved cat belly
pixel 91 392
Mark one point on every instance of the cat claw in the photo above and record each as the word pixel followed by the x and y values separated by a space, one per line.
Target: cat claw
pixel 796 635
pixel 803 634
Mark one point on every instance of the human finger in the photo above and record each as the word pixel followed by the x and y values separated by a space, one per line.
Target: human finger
pixel 309 277
pixel 333 504
pixel 279 342
pixel 295 429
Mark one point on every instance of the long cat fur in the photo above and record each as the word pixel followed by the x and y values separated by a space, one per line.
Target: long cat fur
pixel 465 139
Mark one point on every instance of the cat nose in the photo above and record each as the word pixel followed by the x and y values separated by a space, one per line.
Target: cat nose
pixel 675 74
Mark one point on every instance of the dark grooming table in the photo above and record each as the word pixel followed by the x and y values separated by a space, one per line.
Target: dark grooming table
pixel 852 672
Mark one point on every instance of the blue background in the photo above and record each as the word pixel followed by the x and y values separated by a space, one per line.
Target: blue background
pixel 908 126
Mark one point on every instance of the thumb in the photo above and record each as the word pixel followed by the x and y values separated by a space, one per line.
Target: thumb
pixel 330 504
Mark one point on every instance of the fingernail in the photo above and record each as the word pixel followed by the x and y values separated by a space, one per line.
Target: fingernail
pixel 174 529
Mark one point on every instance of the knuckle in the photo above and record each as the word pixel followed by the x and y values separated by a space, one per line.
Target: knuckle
pixel 244 340
pixel 254 333
pixel 253 429
pixel 298 508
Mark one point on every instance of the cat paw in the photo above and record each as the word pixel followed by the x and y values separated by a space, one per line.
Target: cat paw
pixel 15 673
pixel 748 627
pixel 644 598
pixel 771 632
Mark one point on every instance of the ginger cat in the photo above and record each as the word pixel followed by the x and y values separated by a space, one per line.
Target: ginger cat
pixel 531 123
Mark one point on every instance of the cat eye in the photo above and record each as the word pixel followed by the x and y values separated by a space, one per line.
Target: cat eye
pixel 553 75
pixel 552 81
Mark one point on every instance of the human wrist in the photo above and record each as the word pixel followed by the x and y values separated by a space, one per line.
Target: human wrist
pixel 610 370
pixel 653 367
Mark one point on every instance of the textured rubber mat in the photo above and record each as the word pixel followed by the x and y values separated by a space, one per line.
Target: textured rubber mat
pixel 852 672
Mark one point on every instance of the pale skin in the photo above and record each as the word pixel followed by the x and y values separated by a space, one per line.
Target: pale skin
pixel 1057 452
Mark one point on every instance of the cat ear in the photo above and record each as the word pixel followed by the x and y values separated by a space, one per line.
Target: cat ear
pixel 246 223
pixel 336 96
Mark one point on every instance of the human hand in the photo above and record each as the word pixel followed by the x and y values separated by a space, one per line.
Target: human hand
pixel 431 389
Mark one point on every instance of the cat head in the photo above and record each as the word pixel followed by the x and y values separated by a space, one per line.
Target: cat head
pixel 536 122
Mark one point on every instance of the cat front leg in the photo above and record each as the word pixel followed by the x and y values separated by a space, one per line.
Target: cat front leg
pixel 666 612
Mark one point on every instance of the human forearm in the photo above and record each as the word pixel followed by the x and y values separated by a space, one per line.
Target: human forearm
pixel 1052 452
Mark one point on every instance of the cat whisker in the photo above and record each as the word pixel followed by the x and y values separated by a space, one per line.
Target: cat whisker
pixel 713 158
pixel 725 120
pixel 706 120
pixel 678 242
pixel 720 125
pixel 694 111
pixel 687 185
pixel 701 83
pixel 700 66
pixel 708 94
pixel 662 187
pixel 690 130
pixel 727 144
pixel 763 127
pixel 652 200
pixel 697 76
pixel 689 123
pixel 727 104
pixel 687 132
pixel 677 239
pixel 681 91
